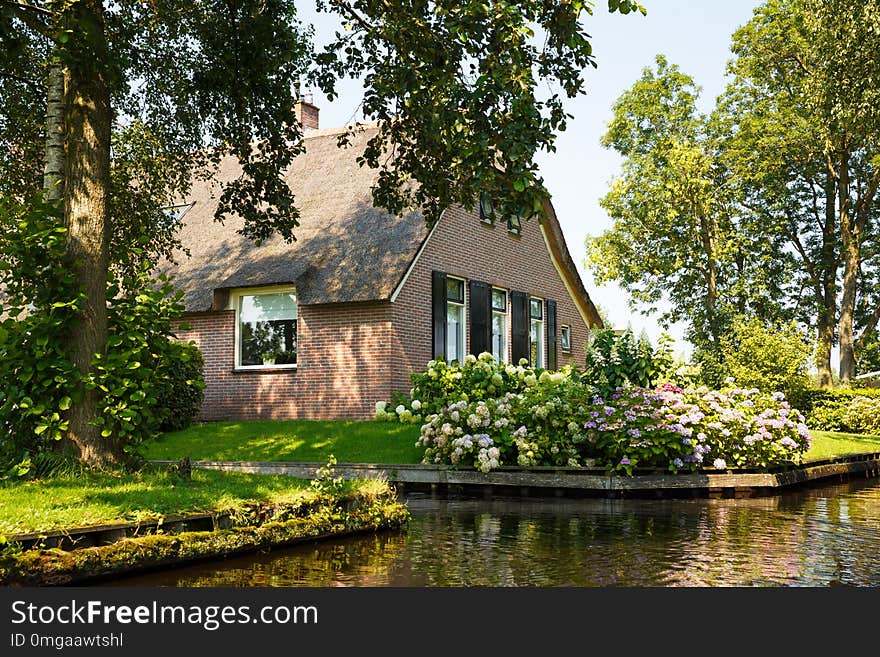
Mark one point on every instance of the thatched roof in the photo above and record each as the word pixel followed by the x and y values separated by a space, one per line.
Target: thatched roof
pixel 345 249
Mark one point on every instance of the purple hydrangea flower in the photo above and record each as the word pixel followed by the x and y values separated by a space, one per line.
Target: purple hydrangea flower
pixel 625 461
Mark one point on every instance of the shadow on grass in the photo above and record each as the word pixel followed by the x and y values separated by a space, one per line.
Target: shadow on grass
pixel 291 440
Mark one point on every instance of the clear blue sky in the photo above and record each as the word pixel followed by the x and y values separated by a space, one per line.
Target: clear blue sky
pixel 694 34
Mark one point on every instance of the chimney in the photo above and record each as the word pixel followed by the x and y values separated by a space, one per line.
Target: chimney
pixel 307 114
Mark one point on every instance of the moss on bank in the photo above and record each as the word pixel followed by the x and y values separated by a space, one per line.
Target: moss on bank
pixel 325 517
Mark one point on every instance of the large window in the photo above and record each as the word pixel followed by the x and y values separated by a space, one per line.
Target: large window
pixel 536 332
pixel 499 325
pixel 454 319
pixel 266 329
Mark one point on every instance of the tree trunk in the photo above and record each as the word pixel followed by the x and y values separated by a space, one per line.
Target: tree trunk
pixel 827 299
pixel 53 169
pixel 711 273
pixel 850 252
pixel 88 123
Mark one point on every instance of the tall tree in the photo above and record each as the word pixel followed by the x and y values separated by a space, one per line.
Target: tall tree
pixel 678 231
pixel 171 87
pixel 803 111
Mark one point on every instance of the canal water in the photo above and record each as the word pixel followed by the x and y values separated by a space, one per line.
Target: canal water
pixel 814 537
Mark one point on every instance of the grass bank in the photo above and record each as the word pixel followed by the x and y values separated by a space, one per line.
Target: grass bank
pixel 827 444
pixel 291 440
pixel 363 442
pixel 270 511
pixel 93 499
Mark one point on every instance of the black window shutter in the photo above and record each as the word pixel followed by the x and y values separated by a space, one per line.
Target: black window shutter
pixel 552 337
pixel 438 311
pixel 480 317
pixel 519 326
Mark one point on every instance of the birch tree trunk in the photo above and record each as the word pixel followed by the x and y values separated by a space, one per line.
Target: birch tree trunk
pixel 53 169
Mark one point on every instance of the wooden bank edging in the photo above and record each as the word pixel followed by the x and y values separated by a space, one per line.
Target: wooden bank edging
pixel 553 480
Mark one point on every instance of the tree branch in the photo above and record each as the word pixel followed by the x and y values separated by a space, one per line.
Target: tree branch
pixel 352 13
pixel 22 13
pixel 811 267
pixel 24 5
pixel 866 201
pixel 33 84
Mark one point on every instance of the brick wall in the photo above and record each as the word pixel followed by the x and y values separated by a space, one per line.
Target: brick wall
pixel 343 366
pixel 351 355
pixel 463 246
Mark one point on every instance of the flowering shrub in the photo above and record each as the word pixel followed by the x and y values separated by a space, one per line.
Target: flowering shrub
pixel 681 429
pixel 472 380
pixel 483 414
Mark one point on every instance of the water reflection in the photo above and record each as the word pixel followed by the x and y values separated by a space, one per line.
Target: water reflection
pixel 818 537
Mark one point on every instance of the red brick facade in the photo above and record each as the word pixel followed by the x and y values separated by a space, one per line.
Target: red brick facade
pixel 463 246
pixel 342 366
pixel 352 355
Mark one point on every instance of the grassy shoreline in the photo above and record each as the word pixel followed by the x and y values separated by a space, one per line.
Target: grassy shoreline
pixel 269 511
pixel 98 498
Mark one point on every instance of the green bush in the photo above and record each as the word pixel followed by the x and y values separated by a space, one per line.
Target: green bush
pixel 142 365
pixel 807 400
pixel 474 379
pixel 181 386
pixel 851 410
pixel 565 423
pixel 767 357
pixel 613 361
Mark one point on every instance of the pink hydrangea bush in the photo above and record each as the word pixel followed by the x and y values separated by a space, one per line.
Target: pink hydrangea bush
pixel 557 422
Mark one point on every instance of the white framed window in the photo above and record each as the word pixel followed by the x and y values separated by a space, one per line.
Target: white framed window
pixel 514 224
pixel 536 332
pixel 455 319
pixel 265 327
pixel 499 324
pixel 565 338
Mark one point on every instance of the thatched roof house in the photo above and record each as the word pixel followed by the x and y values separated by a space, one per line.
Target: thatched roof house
pixel 353 305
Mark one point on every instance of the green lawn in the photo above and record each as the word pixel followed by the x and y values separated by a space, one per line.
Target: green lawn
pixel 91 499
pixel 362 442
pixel 292 440
pixel 827 444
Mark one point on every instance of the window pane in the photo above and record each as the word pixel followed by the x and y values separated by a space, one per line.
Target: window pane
pixel 454 332
pixel 537 309
pixel 566 338
pixel 265 307
pixel 499 300
pixel 486 212
pixel 455 290
pixel 513 224
pixel 267 329
pixel 536 344
pixel 499 337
